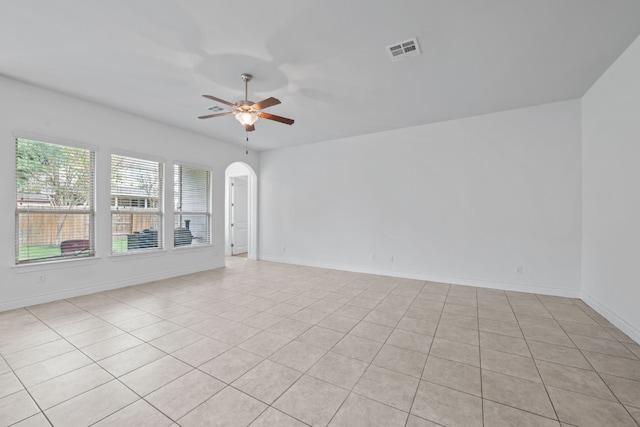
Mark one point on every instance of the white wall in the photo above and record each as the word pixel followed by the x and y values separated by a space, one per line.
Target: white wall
pixel 28 109
pixel 464 201
pixel 611 193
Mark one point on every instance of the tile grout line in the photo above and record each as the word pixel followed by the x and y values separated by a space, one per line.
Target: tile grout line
pixel 265 358
pixel 345 334
pixel 595 370
pixel 248 289
pixel 114 378
pixel 373 358
pixel 435 332
pixel 513 376
pixel 25 389
pixel 505 374
pixel 482 400
pixel 96 363
pixel 230 384
pixel 532 358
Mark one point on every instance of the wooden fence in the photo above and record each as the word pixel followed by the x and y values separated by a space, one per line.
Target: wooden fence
pixel 124 223
pixel 41 229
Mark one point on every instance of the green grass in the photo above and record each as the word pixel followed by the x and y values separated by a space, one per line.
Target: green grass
pixel 38 252
pixel 119 244
pixel 28 253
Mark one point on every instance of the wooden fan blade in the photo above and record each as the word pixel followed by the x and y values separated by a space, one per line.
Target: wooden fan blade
pixel 275 118
pixel 265 103
pixel 221 101
pixel 249 128
pixel 208 116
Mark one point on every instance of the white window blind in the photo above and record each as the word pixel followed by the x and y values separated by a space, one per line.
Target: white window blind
pixel 136 204
pixel 54 201
pixel 192 206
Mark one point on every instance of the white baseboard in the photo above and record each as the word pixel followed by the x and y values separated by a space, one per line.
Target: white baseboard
pixel 545 290
pixel 612 317
pixel 76 292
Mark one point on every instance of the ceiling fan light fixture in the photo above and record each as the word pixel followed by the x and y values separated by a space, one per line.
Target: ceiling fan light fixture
pixel 247 118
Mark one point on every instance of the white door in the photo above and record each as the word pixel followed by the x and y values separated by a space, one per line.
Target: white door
pixel 239 214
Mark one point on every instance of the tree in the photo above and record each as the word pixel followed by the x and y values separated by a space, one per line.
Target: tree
pixel 129 174
pixel 148 182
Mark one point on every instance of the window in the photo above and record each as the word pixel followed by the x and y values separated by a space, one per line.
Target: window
pixel 192 207
pixel 54 201
pixel 136 204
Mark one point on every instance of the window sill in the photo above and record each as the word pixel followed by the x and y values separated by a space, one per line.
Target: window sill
pixel 138 254
pixel 58 263
pixel 190 248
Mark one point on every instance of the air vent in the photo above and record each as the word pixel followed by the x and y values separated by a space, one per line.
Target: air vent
pixel 403 49
pixel 216 109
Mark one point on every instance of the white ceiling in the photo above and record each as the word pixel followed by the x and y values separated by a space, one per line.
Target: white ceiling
pixel 324 59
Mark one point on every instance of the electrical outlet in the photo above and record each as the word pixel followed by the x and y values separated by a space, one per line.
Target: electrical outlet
pixel 390 258
pixel 519 269
pixel 41 278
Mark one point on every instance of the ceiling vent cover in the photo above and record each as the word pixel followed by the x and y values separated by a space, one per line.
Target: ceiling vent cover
pixel 402 50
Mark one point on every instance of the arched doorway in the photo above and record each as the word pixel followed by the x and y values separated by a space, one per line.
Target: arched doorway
pixel 241 197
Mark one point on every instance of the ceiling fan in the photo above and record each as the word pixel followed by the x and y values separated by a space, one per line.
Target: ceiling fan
pixel 248 112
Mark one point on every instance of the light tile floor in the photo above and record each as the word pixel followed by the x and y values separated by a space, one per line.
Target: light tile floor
pixel 267 344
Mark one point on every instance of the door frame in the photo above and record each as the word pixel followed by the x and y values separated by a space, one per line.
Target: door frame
pixel 242 169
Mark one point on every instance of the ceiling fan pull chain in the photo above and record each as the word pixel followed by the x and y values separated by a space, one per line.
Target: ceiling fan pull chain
pixel 247 143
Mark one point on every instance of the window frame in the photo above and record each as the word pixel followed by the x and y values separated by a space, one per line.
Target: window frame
pixel 90 210
pixel 209 204
pixel 160 213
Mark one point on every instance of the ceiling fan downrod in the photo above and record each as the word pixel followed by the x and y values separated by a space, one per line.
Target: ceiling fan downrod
pixel 246 78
